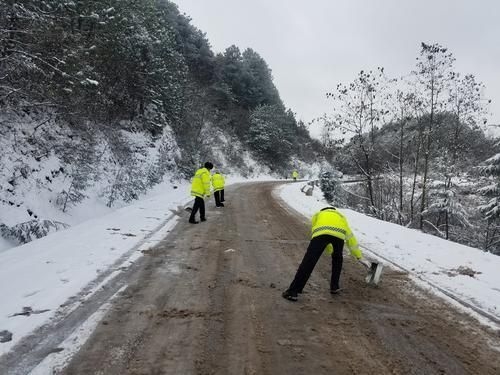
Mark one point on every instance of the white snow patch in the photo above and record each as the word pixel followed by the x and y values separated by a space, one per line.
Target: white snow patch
pixel 5 244
pixel 90 82
pixel 45 273
pixel 430 259
pixel 55 362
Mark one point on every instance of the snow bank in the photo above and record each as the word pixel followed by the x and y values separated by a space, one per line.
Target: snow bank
pixel 466 273
pixel 40 276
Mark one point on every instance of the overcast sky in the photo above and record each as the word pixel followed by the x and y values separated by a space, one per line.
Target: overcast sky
pixel 311 46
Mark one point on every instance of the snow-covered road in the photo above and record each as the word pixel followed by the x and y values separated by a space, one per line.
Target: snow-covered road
pixel 39 279
pixel 47 279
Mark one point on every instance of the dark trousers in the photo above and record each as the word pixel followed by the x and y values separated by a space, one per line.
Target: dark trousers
pixel 217 198
pixel 199 203
pixel 311 257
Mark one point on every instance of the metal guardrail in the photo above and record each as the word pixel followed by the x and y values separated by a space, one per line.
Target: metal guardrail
pixel 446 292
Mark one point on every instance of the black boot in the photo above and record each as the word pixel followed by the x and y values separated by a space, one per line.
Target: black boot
pixel 289 296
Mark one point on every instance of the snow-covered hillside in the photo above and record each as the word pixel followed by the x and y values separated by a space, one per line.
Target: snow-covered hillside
pixel 54 175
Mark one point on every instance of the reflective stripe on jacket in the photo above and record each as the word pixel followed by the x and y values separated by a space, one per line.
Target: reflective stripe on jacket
pixel 333 223
pixel 200 186
pixel 218 181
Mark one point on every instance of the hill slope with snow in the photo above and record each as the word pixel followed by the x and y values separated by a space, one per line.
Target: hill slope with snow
pixel 53 176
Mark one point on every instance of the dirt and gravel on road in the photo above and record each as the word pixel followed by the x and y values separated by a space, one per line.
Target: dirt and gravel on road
pixel 208 300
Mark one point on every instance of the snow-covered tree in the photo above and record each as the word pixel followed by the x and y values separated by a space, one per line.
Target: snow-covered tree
pixel 268 135
pixel 491 209
pixel 330 185
pixel 491 168
pixel 445 210
pixel 433 68
pixel 359 112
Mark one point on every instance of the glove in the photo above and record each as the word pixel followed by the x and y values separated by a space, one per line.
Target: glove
pixel 329 249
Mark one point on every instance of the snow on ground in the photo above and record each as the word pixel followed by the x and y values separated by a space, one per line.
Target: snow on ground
pixel 40 276
pixel 458 271
pixel 5 244
pixel 55 362
pixel 54 175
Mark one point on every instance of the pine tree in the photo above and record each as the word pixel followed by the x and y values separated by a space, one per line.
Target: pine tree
pixel 491 168
pixel 268 135
pixel 433 68
pixel 491 209
pixel 445 208
pixel 330 185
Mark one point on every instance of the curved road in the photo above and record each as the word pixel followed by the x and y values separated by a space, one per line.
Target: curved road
pixel 207 301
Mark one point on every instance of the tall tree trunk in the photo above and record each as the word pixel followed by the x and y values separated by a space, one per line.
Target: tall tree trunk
pixel 367 170
pixel 415 174
pixel 401 167
pixel 368 164
pixel 427 156
pixel 446 223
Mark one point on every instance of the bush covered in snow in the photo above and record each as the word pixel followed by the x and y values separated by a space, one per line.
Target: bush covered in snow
pixel 330 184
pixel 31 230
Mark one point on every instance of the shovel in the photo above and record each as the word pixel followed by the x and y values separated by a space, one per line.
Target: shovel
pixel 374 271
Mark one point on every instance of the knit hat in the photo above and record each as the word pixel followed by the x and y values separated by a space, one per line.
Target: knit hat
pixel 328 208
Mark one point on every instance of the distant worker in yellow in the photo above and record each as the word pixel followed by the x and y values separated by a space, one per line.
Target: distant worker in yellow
pixel 218 185
pixel 330 230
pixel 200 188
pixel 295 175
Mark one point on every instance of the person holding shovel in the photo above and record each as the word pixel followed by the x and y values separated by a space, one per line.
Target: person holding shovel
pixel 200 188
pixel 330 230
pixel 218 182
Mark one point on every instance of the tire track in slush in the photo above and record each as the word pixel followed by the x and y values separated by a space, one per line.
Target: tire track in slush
pixel 207 301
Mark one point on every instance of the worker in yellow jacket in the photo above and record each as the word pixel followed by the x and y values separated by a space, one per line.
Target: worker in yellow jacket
pixel 218 185
pixel 330 230
pixel 200 188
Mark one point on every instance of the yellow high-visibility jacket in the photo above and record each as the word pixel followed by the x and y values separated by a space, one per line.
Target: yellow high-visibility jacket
pixel 295 174
pixel 333 223
pixel 218 181
pixel 200 186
